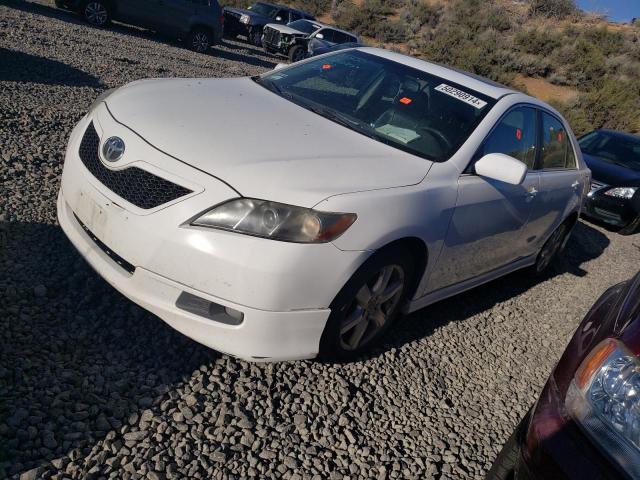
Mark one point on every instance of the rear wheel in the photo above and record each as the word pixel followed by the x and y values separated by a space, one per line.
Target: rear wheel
pixel 297 53
pixel 200 40
pixel 96 13
pixel 367 305
pixel 554 244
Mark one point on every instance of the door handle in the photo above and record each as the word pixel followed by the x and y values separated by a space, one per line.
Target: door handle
pixel 575 184
pixel 533 192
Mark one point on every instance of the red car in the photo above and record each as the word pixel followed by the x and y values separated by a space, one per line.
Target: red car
pixel 586 423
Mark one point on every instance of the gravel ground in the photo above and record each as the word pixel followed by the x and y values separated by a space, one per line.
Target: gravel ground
pixel 91 386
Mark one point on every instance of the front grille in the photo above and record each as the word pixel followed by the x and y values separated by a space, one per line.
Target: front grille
pixel 114 256
pixel 139 187
pixel 271 36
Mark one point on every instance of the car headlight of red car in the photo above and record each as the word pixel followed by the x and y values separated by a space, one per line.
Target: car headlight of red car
pixel 604 399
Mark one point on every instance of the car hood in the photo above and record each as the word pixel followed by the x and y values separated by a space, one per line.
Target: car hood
pixel 285 29
pixel 611 173
pixel 253 15
pixel 261 144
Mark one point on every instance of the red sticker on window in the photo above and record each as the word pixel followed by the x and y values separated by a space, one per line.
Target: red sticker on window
pixel 406 100
pixel 518 134
pixel 326 66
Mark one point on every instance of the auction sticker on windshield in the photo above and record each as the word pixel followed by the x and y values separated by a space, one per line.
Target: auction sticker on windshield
pixel 460 95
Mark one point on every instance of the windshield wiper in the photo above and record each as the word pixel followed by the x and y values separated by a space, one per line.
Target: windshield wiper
pixel 344 120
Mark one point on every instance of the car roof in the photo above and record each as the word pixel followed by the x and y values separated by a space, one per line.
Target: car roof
pixel 470 80
pixel 333 27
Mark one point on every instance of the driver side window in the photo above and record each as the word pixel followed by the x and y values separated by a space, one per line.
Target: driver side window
pixel 514 135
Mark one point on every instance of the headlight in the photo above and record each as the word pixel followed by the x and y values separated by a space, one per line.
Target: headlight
pixel 245 19
pixel 622 192
pixel 276 221
pixel 604 399
pixel 101 98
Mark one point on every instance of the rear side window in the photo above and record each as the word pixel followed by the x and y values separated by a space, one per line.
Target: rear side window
pixel 295 16
pixel 514 135
pixel 556 148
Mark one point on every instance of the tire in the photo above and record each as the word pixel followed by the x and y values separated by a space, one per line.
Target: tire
pixel 554 245
pixel 96 13
pixel 633 227
pixel 255 36
pixel 297 53
pixel 200 39
pixel 505 464
pixel 362 311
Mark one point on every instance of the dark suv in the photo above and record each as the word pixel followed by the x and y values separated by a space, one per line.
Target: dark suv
pixel 199 22
pixel 250 22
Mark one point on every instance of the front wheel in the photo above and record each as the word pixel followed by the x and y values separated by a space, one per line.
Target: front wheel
pixel 297 53
pixel 200 40
pixel 367 305
pixel 255 36
pixel 631 228
pixel 96 13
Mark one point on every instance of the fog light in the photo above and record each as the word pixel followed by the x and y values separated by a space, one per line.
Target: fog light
pixel 209 310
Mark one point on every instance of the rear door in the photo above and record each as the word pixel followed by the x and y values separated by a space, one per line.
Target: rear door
pixel 145 13
pixel 177 14
pixel 561 183
pixel 490 225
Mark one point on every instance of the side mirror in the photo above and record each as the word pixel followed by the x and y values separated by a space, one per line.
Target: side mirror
pixel 280 65
pixel 278 18
pixel 503 168
pixel 319 36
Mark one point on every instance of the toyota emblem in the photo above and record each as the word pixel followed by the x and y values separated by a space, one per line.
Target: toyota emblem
pixel 113 149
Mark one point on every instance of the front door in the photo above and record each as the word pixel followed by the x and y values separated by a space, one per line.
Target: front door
pixel 489 227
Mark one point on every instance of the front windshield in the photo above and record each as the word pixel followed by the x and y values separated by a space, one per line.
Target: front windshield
pixel 392 103
pixel 616 149
pixel 264 10
pixel 303 26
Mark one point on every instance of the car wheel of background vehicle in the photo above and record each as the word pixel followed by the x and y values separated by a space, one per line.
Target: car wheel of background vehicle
pixel 96 13
pixel 367 305
pixel 632 228
pixel 199 40
pixel 297 53
pixel 255 36
pixel 551 248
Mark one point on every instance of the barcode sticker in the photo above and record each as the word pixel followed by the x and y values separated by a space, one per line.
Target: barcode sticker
pixel 460 95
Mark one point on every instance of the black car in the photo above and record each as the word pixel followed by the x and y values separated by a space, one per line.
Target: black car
pixel 614 160
pixel 250 22
pixel 199 22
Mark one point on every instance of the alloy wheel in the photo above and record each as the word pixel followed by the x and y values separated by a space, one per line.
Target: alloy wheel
pixel 550 248
pixel 372 308
pixel 96 13
pixel 200 42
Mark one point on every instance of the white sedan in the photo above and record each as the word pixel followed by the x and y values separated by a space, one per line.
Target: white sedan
pixel 296 213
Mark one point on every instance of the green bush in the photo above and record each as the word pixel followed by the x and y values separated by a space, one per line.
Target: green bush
pixel 553 8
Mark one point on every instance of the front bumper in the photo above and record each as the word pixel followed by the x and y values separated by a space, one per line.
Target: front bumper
pixel 282 289
pixel 610 210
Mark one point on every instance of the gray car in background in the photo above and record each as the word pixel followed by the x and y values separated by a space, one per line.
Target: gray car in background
pixel 198 22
